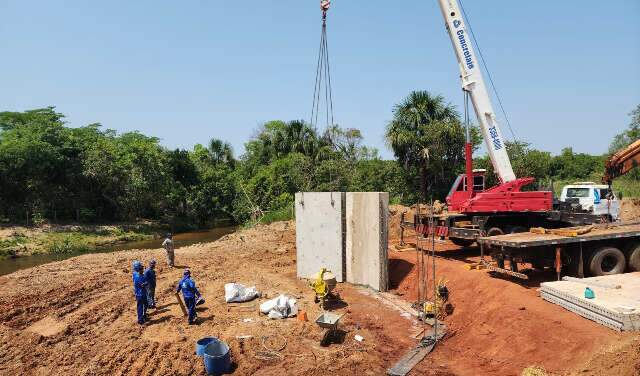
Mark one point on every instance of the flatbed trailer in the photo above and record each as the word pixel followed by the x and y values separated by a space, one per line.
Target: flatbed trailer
pixel 464 230
pixel 602 249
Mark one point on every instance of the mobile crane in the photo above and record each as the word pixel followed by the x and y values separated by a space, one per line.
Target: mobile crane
pixel 485 215
pixel 474 210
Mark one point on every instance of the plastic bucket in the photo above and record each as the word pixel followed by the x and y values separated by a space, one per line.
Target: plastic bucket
pixel 217 359
pixel 202 343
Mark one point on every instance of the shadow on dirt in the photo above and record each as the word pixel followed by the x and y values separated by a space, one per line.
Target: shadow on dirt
pixel 399 269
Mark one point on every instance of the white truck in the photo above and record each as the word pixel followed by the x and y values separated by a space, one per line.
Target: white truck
pixel 597 199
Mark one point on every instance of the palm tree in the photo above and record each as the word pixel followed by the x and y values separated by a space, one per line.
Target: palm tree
pixel 301 138
pixel 426 136
pixel 220 152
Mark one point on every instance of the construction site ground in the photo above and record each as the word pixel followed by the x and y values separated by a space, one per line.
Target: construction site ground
pixel 78 317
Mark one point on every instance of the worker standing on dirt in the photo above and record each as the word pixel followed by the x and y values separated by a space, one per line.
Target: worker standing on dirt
pixel 190 293
pixel 167 244
pixel 140 291
pixel 150 278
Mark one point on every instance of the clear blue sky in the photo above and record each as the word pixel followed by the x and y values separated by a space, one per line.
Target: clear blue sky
pixel 185 71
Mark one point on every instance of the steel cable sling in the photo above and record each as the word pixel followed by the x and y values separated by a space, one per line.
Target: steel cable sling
pixel 323 75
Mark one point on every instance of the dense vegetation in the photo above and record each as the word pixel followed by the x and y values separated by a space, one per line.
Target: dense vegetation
pixel 49 171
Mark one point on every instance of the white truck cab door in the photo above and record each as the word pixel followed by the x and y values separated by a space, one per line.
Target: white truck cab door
pixel 606 206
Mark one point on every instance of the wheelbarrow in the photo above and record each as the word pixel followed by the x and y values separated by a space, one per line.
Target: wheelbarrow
pixel 329 322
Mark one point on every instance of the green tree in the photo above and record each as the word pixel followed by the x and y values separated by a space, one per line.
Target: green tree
pixel 427 139
pixel 629 135
pixel 525 161
pixel 570 165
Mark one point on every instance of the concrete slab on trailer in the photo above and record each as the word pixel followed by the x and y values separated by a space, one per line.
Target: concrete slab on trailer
pixel 618 309
pixel 528 239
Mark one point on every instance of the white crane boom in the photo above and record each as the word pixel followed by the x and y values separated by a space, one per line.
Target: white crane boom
pixel 473 83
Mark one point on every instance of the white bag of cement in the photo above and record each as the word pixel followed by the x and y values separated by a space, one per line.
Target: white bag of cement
pixel 237 293
pixel 280 307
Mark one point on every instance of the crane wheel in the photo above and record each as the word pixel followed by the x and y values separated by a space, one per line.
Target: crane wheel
pixel 462 242
pixel 607 261
pixel 634 257
pixel 495 231
pixel 518 229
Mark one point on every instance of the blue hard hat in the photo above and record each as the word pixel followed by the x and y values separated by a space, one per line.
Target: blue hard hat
pixel 137 265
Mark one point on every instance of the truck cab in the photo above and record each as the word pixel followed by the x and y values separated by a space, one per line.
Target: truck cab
pixel 594 198
pixel 458 192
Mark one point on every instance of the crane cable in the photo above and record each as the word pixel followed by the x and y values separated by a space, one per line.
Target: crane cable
pixel 323 75
pixel 486 67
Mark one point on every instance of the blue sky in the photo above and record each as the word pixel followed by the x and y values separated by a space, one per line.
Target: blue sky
pixel 567 71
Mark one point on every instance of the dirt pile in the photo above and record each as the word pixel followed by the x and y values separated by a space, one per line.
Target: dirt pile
pixel 630 209
pixel 398 212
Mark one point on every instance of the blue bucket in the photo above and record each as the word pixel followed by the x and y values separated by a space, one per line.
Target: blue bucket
pixel 202 343
pixel 217 359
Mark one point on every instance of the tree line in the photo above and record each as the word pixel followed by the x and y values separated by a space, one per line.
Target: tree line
pixel 49 171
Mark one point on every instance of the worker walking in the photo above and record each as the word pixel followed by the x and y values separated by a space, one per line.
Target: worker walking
pixel 140 291
pixel 190 294
pixel 150 278
pixel 167 244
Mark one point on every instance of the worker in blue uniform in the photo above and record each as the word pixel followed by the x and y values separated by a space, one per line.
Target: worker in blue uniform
pixel 150 278
pixel 140 291
pixel 190 294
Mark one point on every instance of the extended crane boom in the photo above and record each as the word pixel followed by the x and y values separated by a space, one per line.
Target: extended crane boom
pixel 473 83
pixel 468 193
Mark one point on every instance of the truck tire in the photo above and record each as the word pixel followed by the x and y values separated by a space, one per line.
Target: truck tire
pixel 607 261
pixel 495 231
pixel 633 258
pixel 462 242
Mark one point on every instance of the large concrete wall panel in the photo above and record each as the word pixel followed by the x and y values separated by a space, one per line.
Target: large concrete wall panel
pixel 366 239
pixel 319 233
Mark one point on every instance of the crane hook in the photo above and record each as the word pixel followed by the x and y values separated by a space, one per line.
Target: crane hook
pixel 324 6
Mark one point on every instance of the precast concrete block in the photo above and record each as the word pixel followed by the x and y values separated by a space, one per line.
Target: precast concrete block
pixel 320 233
pixel 366 239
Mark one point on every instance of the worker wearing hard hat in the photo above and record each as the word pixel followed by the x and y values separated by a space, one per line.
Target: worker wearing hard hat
pixel 167 244
pixel 150 278
pixel 190 293
pixel 140 291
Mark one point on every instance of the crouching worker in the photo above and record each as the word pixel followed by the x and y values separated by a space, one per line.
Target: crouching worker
pixel 150 278
pixel 140 291
pixel 190 294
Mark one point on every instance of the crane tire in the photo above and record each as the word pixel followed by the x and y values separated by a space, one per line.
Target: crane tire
pixel 495 231
pixel 462 242
pixel 517 229
pixel 633 258
pixel 607 261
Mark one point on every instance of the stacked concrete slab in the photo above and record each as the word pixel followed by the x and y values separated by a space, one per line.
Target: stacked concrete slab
pixel 319 233
pixel 366 241
pixel 345 233
pixel 616 308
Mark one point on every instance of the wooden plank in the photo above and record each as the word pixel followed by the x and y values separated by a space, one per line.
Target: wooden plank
pixel 414 355
pixel 505 271
pixel 181 303
pixel 410 360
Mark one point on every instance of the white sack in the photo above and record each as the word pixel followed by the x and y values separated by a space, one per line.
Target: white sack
pixel 236 293
pixel 280 307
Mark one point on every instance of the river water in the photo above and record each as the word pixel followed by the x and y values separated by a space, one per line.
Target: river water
pixel 180 240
